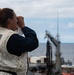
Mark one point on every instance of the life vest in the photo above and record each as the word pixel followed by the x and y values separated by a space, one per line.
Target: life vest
pixel 9 61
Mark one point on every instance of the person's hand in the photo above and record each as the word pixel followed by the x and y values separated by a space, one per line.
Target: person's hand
pixel 21 23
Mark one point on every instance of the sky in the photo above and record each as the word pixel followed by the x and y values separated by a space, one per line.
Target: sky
pixel 42 15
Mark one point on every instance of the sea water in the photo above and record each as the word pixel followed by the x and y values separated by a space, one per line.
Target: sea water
pixel 66 49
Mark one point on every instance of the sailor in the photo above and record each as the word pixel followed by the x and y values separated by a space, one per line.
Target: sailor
pixel 14 47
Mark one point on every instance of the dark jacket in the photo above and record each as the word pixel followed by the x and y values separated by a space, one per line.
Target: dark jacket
pixel 18 44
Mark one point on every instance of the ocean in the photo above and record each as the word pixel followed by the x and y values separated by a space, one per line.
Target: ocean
pixel 66 49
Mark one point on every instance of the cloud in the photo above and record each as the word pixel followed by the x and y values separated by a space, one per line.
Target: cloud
pixel 38 12
pixel 41 8
pixel 67 38
pixel 71 25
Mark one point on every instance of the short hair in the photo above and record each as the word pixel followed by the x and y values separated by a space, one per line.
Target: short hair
pixel 5 14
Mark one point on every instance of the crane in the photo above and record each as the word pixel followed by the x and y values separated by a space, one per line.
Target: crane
pixel 58 54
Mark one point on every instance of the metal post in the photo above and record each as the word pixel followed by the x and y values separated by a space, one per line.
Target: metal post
pixel 49 58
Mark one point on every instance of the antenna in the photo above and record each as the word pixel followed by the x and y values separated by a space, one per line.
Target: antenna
pixel 57 25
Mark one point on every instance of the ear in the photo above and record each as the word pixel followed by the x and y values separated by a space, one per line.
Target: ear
pixel 9 21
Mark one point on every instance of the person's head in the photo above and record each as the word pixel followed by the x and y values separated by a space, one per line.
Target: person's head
pixel 8 18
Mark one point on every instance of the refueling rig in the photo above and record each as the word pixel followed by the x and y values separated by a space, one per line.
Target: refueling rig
pixel 57 70
pixel 49 68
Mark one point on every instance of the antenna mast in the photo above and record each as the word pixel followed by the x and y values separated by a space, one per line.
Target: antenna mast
pixel 57 25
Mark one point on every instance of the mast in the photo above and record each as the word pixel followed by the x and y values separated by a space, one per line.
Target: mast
pixel 57 25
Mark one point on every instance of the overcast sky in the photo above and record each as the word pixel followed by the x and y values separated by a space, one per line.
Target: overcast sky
pixel 41 15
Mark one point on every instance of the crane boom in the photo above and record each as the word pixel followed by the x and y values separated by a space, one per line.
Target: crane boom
pixel 52 39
